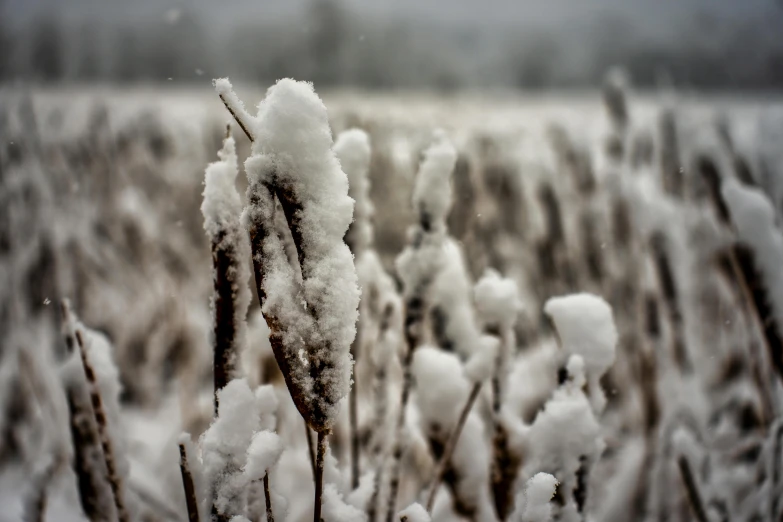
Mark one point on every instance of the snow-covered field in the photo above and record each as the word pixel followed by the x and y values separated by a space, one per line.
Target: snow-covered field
pixel 480 208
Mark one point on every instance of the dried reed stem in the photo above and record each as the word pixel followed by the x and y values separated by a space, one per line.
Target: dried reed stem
pixel 451 445
pixel 692 489
pixel 237 118
pixel 103 431
pixel 268 500
pixel 319 475
pixel 224 262
pixel 188 485
pixel 310 447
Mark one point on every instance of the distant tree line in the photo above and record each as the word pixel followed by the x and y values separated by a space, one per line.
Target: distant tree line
pixel 333 47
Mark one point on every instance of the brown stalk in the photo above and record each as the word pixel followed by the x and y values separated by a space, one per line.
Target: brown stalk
pixel 451 445
pixel 115 481
pixel 188 485
pixel 310 447
pixel 692 489
pixel 319 475
pixel 268 500
pixel 224 259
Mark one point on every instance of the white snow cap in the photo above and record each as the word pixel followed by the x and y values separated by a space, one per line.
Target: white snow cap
pixel 224 89
pixel 497 299
pixel 480 366
pixel 539 490
pixel 432 195
pixel 292 151
pixel 443 389
pixel 222 205
pixel 264 452
pixel 414 513
pixel 352 148
pixel 586 327
pixel 754 219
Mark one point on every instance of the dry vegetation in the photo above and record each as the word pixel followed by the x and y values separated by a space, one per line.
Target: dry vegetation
pixel 625 199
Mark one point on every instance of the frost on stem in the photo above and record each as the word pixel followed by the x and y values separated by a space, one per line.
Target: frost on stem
pixel 759 257
pixel 311 308
pixel 586 328
pixel 222 208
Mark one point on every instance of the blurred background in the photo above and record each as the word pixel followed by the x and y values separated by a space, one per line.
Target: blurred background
pixel 444 45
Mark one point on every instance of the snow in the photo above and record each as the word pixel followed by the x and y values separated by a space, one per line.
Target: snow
pixel 539 490
pixel 442 388
pixel 228 442
pixel 335 509
pixel 481 365
pixel 432 195
pixel 264 452
pixel 352 148
pixel 586 328
pixel 450 294
pixel 754 220
pixel 293 151
pixel 222 205
pixel 414 513
pixel 585 325
pixel 497 300
pixel 226 91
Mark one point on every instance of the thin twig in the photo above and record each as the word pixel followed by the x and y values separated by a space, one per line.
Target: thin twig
pixel 268 499
pixel 353 413
pixel 106 443
pixel 237 118
pixel 319 475
pixel 692 489
pixel 451 445
pixel 187 484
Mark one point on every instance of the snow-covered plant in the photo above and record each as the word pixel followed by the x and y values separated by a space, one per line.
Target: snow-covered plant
pixel 310 306
pixel 92 392
pixel 418 266
pixel 497 304
pixel 222 208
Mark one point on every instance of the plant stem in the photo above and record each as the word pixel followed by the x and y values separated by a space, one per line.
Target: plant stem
pixel 692 489
pixel 268 499
pixel 319 475
pixel 236 117
pixel 310 448
pixel 187 484
pixel 451 445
